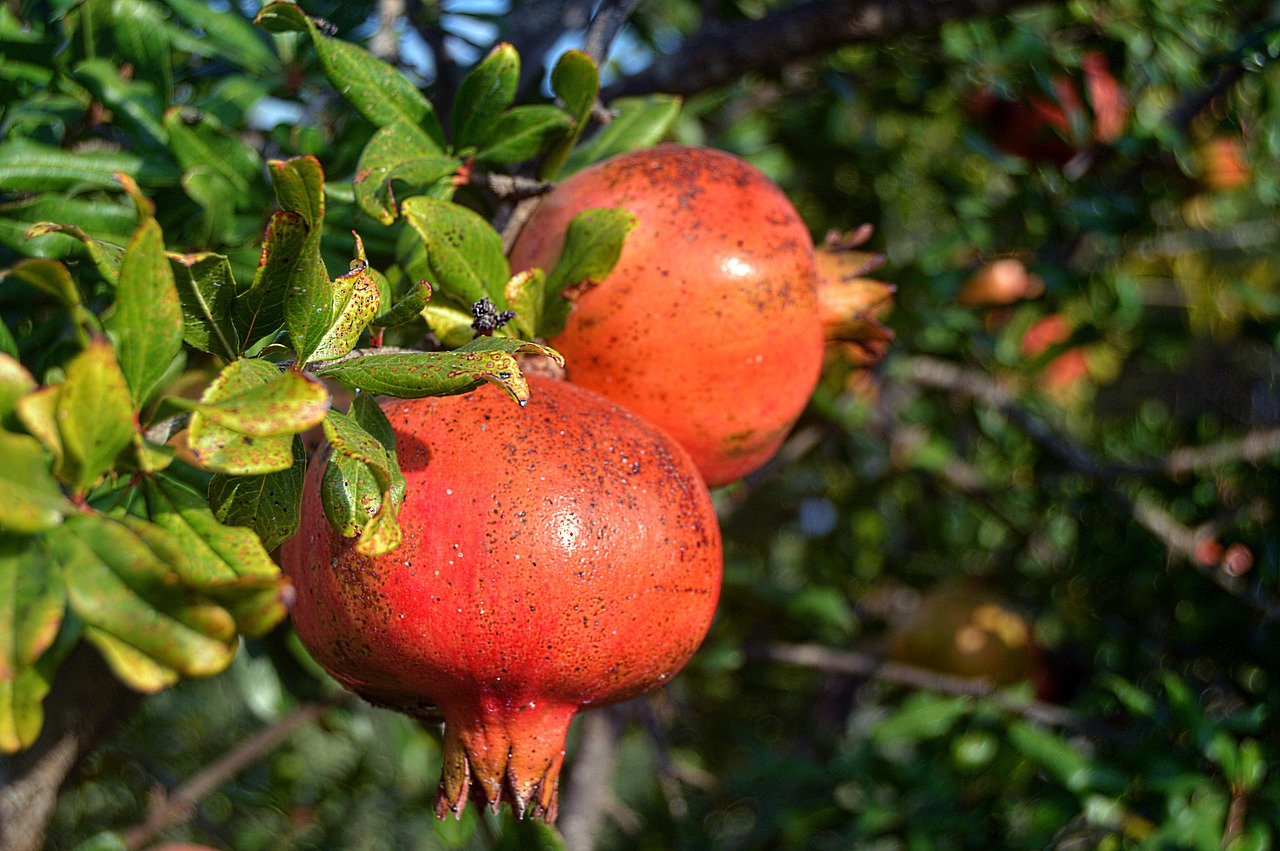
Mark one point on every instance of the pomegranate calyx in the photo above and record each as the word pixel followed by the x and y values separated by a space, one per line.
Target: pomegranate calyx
pixel 504 751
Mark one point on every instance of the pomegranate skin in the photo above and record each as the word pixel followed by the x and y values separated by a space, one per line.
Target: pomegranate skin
pixel 561 555
pixel 708 325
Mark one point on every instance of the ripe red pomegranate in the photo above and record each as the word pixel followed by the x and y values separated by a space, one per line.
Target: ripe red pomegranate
pixel 557 556
pixel 708 325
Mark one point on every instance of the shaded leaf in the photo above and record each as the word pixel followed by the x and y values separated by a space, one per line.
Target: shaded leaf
pixel 397 151
pixel 134 103
pixel 206 290
pixel 639 122
pixel 21 709
pixel 449 324
pixel 259 312
pixel 270 505
pixel 308 293
pixel 32 601
pixel 198 140
pixel 27 166
pixel 483 95
pixel 374 88
pixel 232 37
pixel 523 133
pixel 49 276
pixel 357 489
pixel 463 251
pixel 147 318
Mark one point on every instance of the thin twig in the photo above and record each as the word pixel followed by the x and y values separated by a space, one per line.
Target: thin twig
pixel 179 805
pixel 608 21
pixel 510 187
pixel 867 665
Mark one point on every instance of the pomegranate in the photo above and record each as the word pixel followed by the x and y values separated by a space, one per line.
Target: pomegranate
pixel 708 324
pixel 557 556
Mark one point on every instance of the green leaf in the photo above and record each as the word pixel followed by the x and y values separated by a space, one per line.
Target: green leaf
pixel 593 242
pixel 356 300
pixel 87 420
pixel 232 37
pixel 463 251
pixel 141 36
pixel 106 256
pixel 374 88
pixel 32 602
pixel 403 152
pixel 526 293
pixel 259 312
pixel 8 345
pixel 147 318
pixel 27 166
pixel 450 325
pixel 49 276
pixel 15 382
pixel 413 376
pixel 357 489
pixel 289 403
pixel 308 293
pixel 245 390
pixel 227 563
pixel 483 95
pixel 21 709
pixel 523 133
pixel 407 308
pixel 30 499
pixel 206 290
pixel 134 103
pixel 576 81
pixel 639 122
pixel 199 141
pixel 121 583
pixel 270 505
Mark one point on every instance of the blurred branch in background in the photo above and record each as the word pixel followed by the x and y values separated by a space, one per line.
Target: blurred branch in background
pixel 715 55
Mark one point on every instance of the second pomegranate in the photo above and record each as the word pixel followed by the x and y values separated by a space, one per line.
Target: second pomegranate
pixel 708 325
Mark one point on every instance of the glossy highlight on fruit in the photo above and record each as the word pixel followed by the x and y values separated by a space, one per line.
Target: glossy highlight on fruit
pixel 708 325
pixel 556 556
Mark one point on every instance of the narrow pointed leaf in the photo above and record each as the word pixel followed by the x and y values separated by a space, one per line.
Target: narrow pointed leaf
pixel 121 588
pixel 639 122
pixel 206 290
pixel 484 95
pixel 32 602
pixel 27 166
pixel 374 88
pixel 259 312
pixel 407 308
pixel 402 152
pixel 356 301
pixel 523 133
pixel 576 81
pixel 299 187
pixel 308 293
pixel 463 251
pixel 148 314
pixel 270 505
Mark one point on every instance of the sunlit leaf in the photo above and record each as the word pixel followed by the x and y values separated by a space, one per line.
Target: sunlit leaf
pixel 483 95
pixel 259 312
pixel 523 133
pixel 463 251
pixel 15 382
pixel 408 308
pixel 30 499
pixel 374 88
pixel 397 152
pixel 356 301
pixel 358 491
pixel 576 81
pixel 593 242
pixel 106 256
pixel 32 601
pixel 246 389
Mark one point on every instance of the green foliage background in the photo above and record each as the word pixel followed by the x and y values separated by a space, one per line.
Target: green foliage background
pixel 1167 678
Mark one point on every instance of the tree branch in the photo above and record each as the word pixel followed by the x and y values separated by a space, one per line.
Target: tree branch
pixel 169 809
pixel 588 792
pixel 609 19
pixel 715 56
